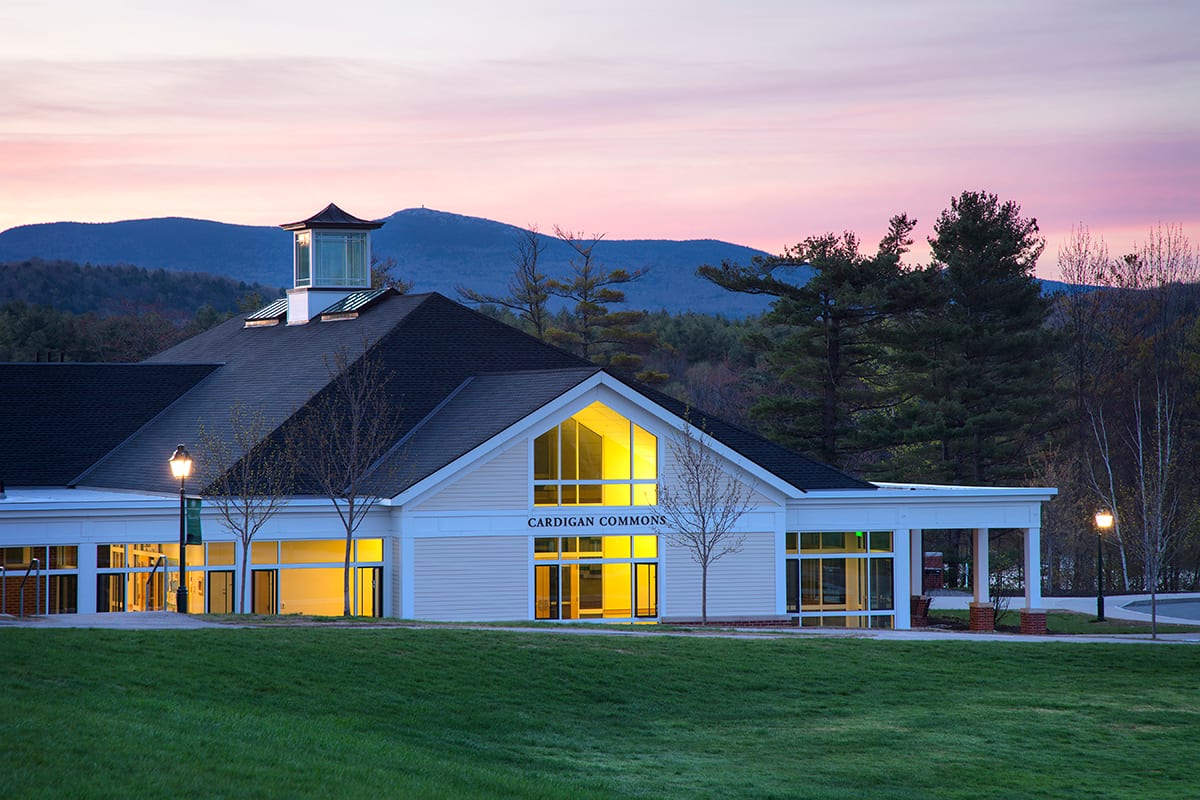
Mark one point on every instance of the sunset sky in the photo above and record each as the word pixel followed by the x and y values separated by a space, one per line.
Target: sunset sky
pixel 757 121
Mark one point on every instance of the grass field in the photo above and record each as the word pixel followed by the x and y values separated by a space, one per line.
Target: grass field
pixel 381 713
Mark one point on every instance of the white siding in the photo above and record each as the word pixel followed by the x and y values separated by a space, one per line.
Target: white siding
pixel 396 571
pixel 471 578
pixel 501 483
pixel 739 583
pixel 668 474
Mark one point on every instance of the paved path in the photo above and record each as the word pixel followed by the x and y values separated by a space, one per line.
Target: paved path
pixel 134 620
pixel 160 620
pixel 1114 607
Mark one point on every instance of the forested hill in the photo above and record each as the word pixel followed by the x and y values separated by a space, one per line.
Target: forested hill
pixel 436 251
pixel 79 288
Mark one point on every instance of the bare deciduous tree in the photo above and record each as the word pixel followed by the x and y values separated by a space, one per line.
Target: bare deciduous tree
pixel 1151 290
pixel 247 477
pixel 1153 442
pixel 702 506
pixel 341 438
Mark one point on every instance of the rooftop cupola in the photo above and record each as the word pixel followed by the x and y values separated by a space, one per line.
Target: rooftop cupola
pixel 331 259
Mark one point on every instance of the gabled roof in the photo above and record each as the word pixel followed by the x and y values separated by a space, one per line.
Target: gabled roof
pixel 271 370
pixel 56 420
pixel 479 375
pixel 797 469
pixel 479 408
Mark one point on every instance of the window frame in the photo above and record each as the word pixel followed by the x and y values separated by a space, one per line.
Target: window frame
pixel 640 492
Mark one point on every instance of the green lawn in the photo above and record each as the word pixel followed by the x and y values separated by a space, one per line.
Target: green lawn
pixel 382 713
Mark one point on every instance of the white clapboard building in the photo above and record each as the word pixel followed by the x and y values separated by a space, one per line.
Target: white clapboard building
pixel 523 483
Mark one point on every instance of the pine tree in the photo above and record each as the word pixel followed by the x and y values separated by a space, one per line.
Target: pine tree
pixel 974 355
pixel 823 350
pixel 589 328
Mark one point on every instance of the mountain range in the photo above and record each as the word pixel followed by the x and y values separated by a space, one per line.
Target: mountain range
pixel 434 250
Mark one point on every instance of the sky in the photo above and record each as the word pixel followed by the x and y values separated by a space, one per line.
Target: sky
pixel 759 122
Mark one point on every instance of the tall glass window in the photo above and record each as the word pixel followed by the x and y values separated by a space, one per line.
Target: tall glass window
pixel 595 577
pixel 340 259
pixel 841 578
pixel 596 457
pixel 303 260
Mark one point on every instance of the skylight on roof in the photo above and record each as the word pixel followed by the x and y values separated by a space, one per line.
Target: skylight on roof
pixel 350 306
pixel 272 314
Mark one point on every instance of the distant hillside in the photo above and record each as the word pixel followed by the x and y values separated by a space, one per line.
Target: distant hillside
pixel 435 250
pixel 80 289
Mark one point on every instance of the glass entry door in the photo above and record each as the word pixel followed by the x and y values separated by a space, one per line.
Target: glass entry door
pixel 264 586
pixel 370 591
pixel 220 592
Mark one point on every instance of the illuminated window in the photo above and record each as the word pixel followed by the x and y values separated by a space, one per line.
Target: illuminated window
pixel 595 577
pixel 841 578
pixel 340 259
pixel 303 259
pixel 597 458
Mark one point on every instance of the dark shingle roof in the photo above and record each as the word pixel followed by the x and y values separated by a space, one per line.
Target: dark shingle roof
pixel 480 408
pixel 56 420
pixel 798 470
pixel 332 217
pixel 480 375
pixel 272 370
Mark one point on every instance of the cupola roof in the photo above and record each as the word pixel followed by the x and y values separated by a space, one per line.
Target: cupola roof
pixel 332 217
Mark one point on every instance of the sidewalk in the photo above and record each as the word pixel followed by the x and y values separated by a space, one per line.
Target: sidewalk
pixel 1114 607
pixel 133 620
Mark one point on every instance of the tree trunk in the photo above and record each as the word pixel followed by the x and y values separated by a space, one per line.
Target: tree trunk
pixel 346 576
pixel 704 594
pixel 241 607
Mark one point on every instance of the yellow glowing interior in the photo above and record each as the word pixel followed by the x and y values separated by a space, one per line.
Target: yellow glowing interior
pixel 599 577
pixel 596 457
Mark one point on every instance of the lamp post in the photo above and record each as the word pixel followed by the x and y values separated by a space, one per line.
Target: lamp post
pixel 181 467
pixel 1104 521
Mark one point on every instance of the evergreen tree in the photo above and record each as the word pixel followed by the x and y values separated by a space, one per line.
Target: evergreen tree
pixel 589 328
pixel 976 359
pixel 824 351
pixel 527 289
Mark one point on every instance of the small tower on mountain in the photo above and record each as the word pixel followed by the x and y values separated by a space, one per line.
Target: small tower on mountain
pixel 331 259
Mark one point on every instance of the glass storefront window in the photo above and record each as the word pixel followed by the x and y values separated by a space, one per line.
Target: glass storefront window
pixel 221 554
pixel 600 577
pixel 110 555
pixel 370 549
pixel 64 557
pixel 318 551
pixel 841 541
pixel 264 552
pixel 645 547
pixel 839 571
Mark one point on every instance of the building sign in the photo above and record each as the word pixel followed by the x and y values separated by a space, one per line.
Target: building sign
pixel 603 521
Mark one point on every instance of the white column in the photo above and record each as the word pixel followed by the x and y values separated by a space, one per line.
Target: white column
pixel 903 589
pixel 1033 567
pixel 405 569
pixel 85 585
pixel 980 567
pixel 916 561
pixel 781 563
